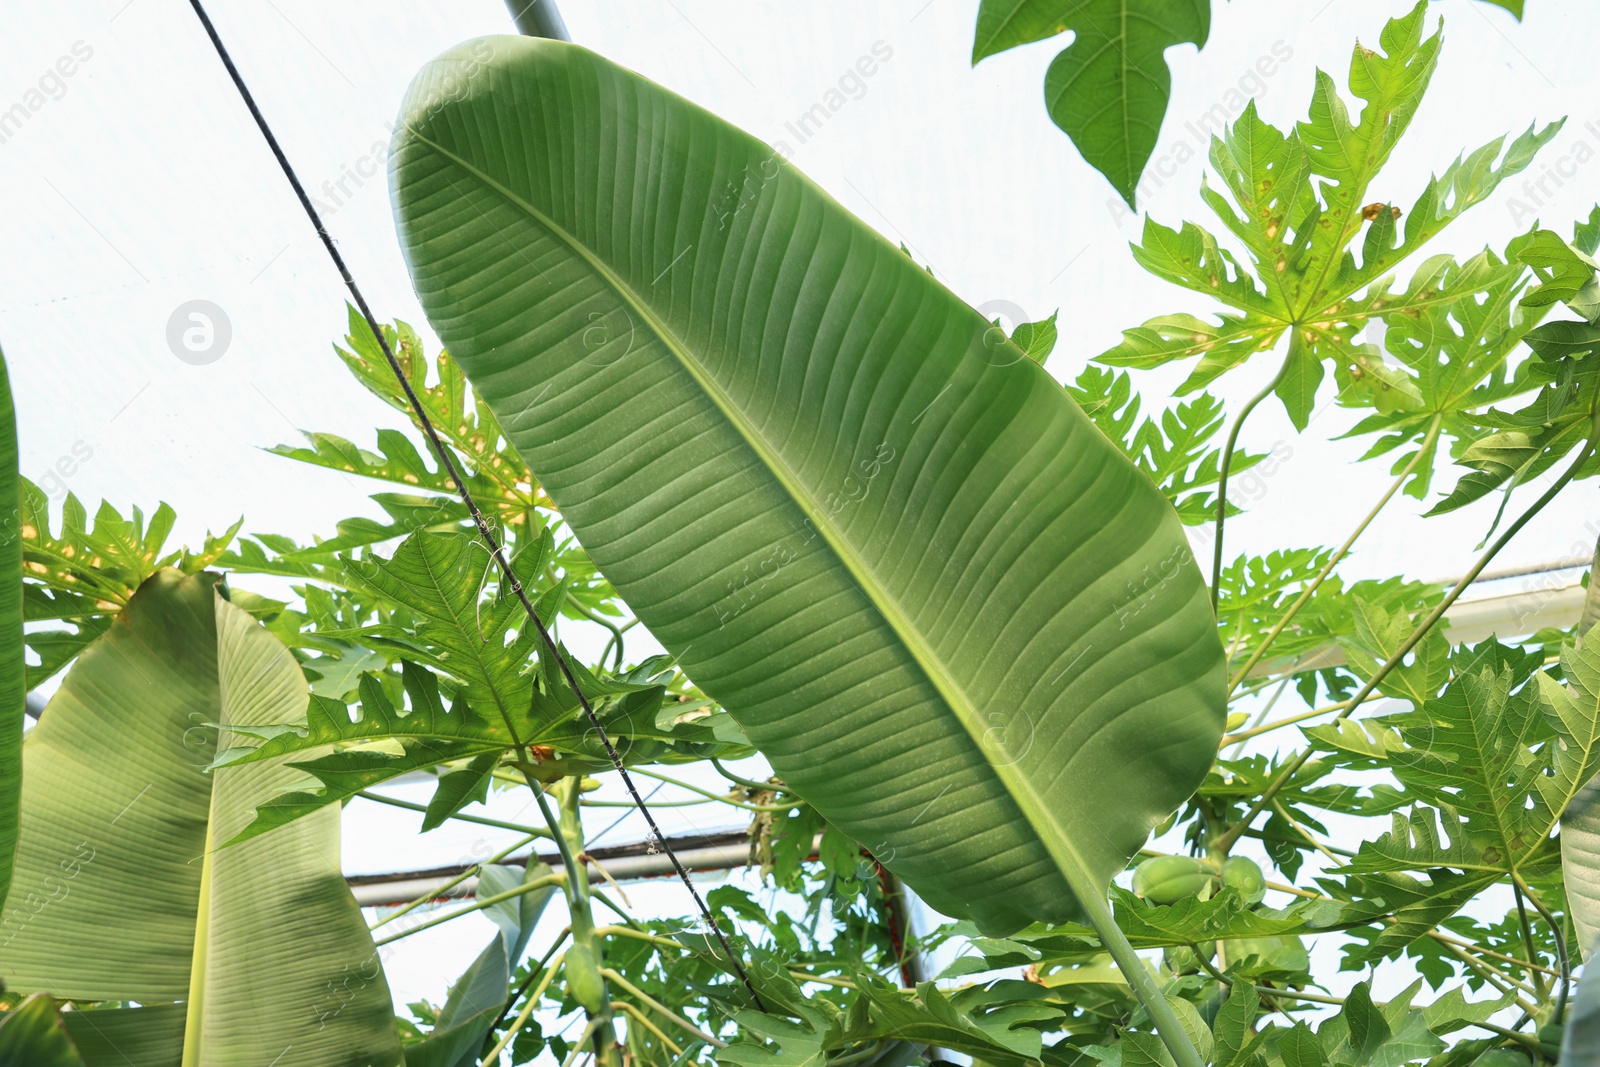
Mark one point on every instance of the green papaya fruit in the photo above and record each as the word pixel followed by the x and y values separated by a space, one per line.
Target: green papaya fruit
pixel 1501 1057
pixel 1180 959
pixel 584 983
pixel 1246 877
pixel 1550 1040
pixel 1168 879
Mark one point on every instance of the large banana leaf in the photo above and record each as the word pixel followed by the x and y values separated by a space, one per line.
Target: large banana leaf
pixel 118 895
pixel 13 688
pixel 950 612
pixel 1580 1043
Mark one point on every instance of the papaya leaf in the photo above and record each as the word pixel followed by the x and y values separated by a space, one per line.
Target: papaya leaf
pixel 1566 275
pixel 1452 1011
pixel 1481 756
pixel 1173 449
pixel 498 475
pixel 1454 328
pixel 1297 202
pixel 1378 635
pixel 460 787
pixel 32 1033
pixel 985 1022
pixel 328 722
pixel 86 573
pixel 1522 445
pixel 1233 1031
pixel 1036 339
pixel 1108 89
pixel 1405 907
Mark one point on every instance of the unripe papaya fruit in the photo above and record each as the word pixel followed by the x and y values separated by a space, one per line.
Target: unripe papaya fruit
pixel 1501 1057
pixel 1180 959
pixel 583 978
pixel 1550 1041
pixel 1246 877
pixel 1168 879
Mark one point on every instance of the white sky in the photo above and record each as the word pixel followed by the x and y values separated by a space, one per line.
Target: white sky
pixel 145 185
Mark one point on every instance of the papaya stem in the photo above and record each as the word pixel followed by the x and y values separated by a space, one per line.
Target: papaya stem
pixel 1227 463
pixel 1338 555
pixel 1140 979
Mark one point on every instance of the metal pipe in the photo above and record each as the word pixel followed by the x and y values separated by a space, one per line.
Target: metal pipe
pixel 538 18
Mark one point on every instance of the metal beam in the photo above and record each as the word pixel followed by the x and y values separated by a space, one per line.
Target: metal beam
pixel 625 863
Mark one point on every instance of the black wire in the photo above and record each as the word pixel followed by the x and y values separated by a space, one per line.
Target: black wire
pixel 445 459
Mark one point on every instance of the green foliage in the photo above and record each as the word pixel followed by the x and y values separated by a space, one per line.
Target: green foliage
pixel 32 1033
pixel 1297 201
pixel 110 902
pixel 1109 88
pixel 13 662
pixel 84 575
pixel 1257 591
pixel 1173 449
pixel 1511 448
pixel 1452 826
pixel 799 519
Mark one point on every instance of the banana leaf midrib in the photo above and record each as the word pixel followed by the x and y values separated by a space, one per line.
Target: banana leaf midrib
pixel 1073 866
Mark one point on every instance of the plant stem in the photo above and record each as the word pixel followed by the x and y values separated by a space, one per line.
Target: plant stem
pixel 525 1014
pixel 653 804
pixel 568 828
pixel 1261 717
pixel 1338 555
pixel 1255 731
pixel 1499 981
pixel 1561 948
pixel 638 935
pixel 434 894
pixel 1318 845
pixel 531 831
pixel 1227 840
pixel 713 796
pixel 672 1016
pixel 1262 836
pixel 1211 969
pixel 592 1030
pixel 601 620
pixel 838 983
pixel 1527 938
pixel 769 787
pixel 637 1016
pixel 478 905
pixel 1481 951
pixel 1227 461
pixel 1138 977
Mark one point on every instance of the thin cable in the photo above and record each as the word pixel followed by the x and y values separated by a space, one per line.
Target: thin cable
pixel 448 463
